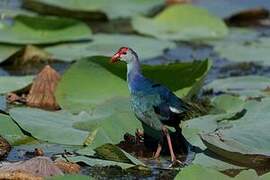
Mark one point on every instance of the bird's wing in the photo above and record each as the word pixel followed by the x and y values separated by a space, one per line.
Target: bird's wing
pixel 170 106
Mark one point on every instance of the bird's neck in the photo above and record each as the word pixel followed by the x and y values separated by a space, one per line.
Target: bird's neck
pixel 133 72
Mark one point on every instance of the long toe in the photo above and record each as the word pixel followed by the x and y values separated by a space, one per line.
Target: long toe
pixel 176 163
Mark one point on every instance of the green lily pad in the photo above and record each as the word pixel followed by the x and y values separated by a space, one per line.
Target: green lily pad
pixel 70 177
pixel 181 22
pixel 6 51
pixel 13 83
pixel 197 172
pixel 7 13
pixel 81 89
pixel 113 153
pixel 86 151
pixel 11 132
pixel 106 118
pixel 246 140
pixel 43 30
pixel 208 159
pixel 93 9
pixel 98 162
pixel 253 86
pixel 245 51
pixel 107 45
pixel 54 127
pixel 227 103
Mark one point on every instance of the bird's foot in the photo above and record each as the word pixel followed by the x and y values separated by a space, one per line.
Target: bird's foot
pixel 175 163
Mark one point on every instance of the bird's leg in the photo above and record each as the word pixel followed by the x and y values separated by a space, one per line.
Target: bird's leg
pixel 158 151
pixel 173 157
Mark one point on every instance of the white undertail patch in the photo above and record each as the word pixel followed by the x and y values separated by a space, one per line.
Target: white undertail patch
pixel 174 110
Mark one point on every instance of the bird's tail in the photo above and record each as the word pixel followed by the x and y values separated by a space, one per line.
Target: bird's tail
pixel 196 108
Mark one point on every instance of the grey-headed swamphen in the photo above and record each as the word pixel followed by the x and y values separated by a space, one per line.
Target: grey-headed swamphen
pixel 153 104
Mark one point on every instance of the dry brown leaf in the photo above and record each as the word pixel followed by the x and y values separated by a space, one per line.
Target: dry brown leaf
pixel 68 167
pixel 248 17
pixel 4 147
pixel 19 175
pixel 41 94
pixel 37 166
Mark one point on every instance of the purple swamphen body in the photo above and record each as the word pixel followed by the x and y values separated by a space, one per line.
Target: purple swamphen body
pixel 153 104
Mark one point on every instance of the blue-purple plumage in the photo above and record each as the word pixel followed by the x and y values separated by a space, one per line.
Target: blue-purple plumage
pixel 153 104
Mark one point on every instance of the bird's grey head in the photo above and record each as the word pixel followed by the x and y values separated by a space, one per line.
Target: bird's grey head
pixel 124 54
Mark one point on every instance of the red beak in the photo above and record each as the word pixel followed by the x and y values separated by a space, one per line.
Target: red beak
pixel 115 58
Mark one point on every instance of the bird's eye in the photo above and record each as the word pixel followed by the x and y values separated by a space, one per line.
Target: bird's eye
pixel 124 53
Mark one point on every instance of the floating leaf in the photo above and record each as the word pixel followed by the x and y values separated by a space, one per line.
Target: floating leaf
pixel 227 103
pixel 98 162
pixel 195 172
pixel 43 30
pixel 87 151
pixel 55 127
pixel 28 55
pixel 80 87
pixel 253 86
pixel 10 131
pixel 7 50
pixel 245 141
pixel 13 83
pixel 114 153
pixel 181 22
pixel 69 177
pixel 92 9
pixel 106 118
pixel 107 45
pixel 245 51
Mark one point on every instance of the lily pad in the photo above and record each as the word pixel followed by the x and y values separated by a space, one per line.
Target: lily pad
pixel 43 30
pixel 246 140
pixel 69 177
pixel 107 45
pixel 86 151
pixel 181 22
pixel 81 89
pixel 106 118
pixel 93 9
pixel 54 127
pixel 114 153
pixel 253 86
pixel 11 132
pixel 8 12
pixel 6 51
pixel 245 51
pixel 98 162
pixel 197 172
pixel 13 83
pixel 227 103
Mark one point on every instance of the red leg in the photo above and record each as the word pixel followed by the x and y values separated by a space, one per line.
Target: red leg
pixel 157 154
pixel 173 157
